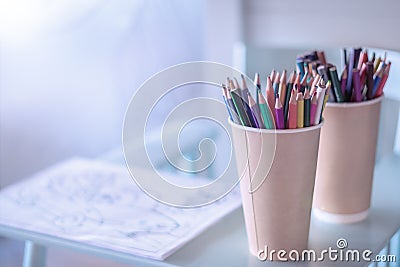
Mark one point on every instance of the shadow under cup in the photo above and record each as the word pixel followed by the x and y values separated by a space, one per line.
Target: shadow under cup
pixel 277 171
pixel 346 161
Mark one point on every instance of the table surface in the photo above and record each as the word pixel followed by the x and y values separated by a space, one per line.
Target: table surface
pixel 225 243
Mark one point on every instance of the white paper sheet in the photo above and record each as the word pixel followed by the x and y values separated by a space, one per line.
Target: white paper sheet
pixel 99 204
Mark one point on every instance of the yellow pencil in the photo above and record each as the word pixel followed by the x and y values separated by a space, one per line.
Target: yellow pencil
pixel 300 110
pixel 376 64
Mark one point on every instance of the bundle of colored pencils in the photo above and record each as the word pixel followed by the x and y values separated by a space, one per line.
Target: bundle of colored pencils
pixel 361 79
pixel 291 103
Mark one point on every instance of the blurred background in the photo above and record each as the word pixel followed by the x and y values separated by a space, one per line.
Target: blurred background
pixel 69 68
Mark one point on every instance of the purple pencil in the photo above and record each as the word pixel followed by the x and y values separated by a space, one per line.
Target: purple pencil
pixel 280 124
pixel 350 72
pixel 356 86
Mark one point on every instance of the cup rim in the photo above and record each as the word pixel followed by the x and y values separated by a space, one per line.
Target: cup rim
pixel 278 131
pixel 354 104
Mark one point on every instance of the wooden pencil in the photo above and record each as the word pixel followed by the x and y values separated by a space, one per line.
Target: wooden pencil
pixel 313 108
pixel 292 116
pixel 300 110
pixel 307 106
pixel 279 113
pixel 265 112
pixel 270 95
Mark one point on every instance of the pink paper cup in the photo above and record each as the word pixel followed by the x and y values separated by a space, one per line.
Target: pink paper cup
pixel 277 170
pixel 346 161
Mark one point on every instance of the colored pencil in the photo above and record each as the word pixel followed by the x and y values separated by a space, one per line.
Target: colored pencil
pixel 236 83
pixel 327 94
pixel 272 75
pixel 226 102
pixel 363 75
pixel 323 71
pixel 303 83
pixel 307 107
pixel 356 86
pixel 344 57
pixel 320 98
pixel 232 107
pixel 321 57
pixel 237 100
pixel 382 83
pixel 315 83
pixel 279 113
pixel 270 95
pixel 336 85
pixel 288 96
pixel 257 83
pixel 369 73
pixel 350 74
pixel 245 92
pixel 276 84
pixel 343 84
pixel 300 110
pixel 377 80
pixel 357 52
pixel 313 108
pixel 292 116
pixel 282 88
pixel 297 81
pixel 255 109
pixel 376 64
pixel 265 112
pixel 300 67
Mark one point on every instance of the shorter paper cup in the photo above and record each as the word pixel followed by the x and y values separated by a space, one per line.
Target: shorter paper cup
pixel 346 161
pixel 277 197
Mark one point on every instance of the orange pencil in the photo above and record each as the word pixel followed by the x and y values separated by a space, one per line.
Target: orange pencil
pixel 292 116
pixel 300 110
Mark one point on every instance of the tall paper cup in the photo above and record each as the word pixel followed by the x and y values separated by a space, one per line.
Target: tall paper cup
pixel 346 161
pixel 277 171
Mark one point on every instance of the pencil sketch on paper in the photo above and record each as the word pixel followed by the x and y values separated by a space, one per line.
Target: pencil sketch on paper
pixel 98 204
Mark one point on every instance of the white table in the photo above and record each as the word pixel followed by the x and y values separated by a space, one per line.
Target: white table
pixel 225 243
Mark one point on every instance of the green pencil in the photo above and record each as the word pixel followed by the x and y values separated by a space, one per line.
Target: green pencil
pixel 265 113
pixel 336 85
pixel 307 106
